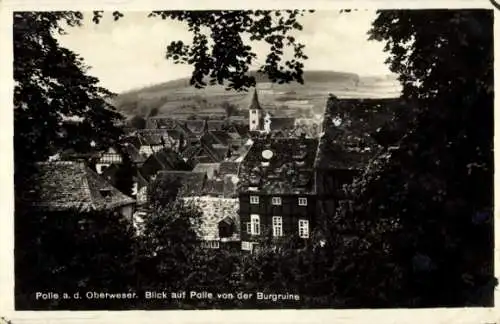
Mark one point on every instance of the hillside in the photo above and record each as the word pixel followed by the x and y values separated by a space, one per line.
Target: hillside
pixel 178 99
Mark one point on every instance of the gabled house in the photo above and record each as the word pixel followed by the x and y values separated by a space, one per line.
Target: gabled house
pixel 210 169
pixel 220 220
pixel 160 123
pixel 134 155
pixel 204 153
pixel 220 180
pixel 191 182
pixel 232 140
pixel 197 127
pixel 348 144
pixel 163 160
pixel 72 185
pixel 107 158
pixel 150 143
pixel 276 189
pixel 215 125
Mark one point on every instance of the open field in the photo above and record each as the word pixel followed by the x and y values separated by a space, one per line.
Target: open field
pixel 178 99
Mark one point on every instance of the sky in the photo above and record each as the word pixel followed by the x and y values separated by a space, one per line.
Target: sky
pixel 130 53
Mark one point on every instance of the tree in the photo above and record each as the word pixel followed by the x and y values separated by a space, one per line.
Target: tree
pixel 422 212
pixel 137 122
pixel 219 54
pixel 72 251
pixel 229 109
pixel 125 174
pixel 154 112
pixel 56 104
pixel 163 192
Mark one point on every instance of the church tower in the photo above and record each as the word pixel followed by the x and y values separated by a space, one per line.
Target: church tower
pixel 255 113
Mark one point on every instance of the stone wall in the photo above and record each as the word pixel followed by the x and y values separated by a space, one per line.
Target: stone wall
pixel 214 210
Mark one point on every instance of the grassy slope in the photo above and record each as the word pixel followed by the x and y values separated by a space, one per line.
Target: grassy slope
pixel 178 99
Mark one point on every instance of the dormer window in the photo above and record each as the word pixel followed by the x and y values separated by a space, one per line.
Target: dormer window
pixel 302 201
pixel 105 192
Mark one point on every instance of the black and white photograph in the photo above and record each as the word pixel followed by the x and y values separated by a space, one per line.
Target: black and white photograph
pixel 296 159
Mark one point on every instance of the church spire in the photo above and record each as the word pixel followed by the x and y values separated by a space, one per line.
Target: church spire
pixel 254 104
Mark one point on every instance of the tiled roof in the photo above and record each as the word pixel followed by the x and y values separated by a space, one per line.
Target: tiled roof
pixel 194 126
pixel 213 186
pixel 210 169
pixel 182 127
pixel 132 140
pixel 280 165
pixel 221 137
pixel 190 152
pixel 228 167
pixel 349 144
pixel 218 182
pixel 280 123
pixel 133 153
pixel 152 136
pixel 109 173
pixel 164 159
pixel 241 129
pixel 219 152
pixel 208 139
pixel 141 182
pixel 161 122
pixel 60 186
pixel 215 125
pixel 191 182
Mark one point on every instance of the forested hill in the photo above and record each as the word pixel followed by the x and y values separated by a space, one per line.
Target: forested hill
pixel 177 97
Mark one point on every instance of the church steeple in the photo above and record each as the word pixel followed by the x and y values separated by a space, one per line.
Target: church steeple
pixel 254 104
pixel 255 113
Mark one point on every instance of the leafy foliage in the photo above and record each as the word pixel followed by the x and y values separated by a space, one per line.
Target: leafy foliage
pixel 416 230
pixel 219 53
pixel 416 209
pixel 57 105
pixel 162 193
pixel 229 108
pixel 71 251
pixel 137 122
pixel 125 174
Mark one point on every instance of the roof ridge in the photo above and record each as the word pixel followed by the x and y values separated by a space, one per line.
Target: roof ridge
pixel 86 171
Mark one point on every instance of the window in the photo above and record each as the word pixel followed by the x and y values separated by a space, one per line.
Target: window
pixel 255 224
pixel 210 244
pixel 303 228
pixel 302 201
pixel 277 226
pixel 246 246
pixel 276 201
pixel 254 200
pixel 249 228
